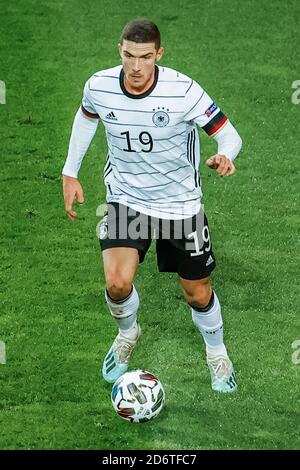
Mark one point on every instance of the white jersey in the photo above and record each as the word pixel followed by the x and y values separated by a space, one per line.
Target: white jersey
pixel 153 142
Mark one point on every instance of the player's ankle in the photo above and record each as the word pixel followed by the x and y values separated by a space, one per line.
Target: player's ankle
pixel 131 333
pixel 219 350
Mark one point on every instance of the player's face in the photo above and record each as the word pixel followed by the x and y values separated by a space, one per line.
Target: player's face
pixel 139 63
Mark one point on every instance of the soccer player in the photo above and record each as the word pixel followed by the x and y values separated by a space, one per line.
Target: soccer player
pixel 150 114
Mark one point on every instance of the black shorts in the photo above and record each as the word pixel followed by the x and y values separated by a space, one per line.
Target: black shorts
pixel 182 246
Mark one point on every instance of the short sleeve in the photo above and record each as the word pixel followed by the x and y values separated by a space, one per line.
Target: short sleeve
pixel 87 102
pixel 201 109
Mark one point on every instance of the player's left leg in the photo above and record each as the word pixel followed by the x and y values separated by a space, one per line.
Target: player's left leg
pixel 206 314
pixel 188 251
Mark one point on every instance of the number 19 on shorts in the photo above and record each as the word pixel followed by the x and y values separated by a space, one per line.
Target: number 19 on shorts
pixel 205 245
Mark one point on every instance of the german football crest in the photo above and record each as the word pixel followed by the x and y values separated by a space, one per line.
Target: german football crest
pixel 103 228
pixel 161 118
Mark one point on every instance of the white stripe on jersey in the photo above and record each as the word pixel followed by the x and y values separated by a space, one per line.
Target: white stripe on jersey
pixel 153 142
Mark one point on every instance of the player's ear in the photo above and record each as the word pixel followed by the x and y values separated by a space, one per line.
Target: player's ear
pixel 159 54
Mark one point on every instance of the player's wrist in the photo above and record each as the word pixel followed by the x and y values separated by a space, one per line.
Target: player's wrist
pixel 69 177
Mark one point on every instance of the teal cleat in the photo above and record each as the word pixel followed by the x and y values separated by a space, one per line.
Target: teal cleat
pixel 222 373
pixel 116 361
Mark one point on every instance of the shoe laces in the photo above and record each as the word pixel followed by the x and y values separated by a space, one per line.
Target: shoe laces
pixel 220 366
pixel 123 347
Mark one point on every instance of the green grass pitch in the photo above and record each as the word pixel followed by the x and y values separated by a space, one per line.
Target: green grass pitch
pixel 53 318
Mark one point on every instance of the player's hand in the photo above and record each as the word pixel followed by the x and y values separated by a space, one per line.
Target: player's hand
pixel 72 192
pixel 222 164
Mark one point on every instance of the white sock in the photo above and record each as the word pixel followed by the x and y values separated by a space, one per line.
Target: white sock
pixel 210 324
pixel 124 312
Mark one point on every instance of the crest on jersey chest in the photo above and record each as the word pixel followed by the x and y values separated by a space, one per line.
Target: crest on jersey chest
pixel 161 117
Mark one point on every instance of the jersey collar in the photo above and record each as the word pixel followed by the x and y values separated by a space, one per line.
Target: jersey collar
pixel 142 95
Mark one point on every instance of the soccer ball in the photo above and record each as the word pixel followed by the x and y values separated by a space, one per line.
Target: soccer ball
pixel 138 396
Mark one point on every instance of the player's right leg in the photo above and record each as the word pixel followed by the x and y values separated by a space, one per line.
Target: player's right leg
pixel 120 265
pixel 122 252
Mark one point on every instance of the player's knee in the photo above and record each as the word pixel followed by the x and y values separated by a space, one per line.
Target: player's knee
pixel 200 296
pixel 118 286
pixel 197 293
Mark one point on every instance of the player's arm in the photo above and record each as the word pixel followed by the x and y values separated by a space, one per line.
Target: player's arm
pixel 229 145
pixel 83 130
pixel 207 115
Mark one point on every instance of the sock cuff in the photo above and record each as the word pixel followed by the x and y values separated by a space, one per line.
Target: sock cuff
pixel 208 306
pixel 125 307
pixel 108 297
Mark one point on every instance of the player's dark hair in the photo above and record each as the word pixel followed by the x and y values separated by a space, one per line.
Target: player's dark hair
pixel 141 30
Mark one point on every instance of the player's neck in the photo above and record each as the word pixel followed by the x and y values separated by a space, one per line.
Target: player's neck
pixel 139 90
